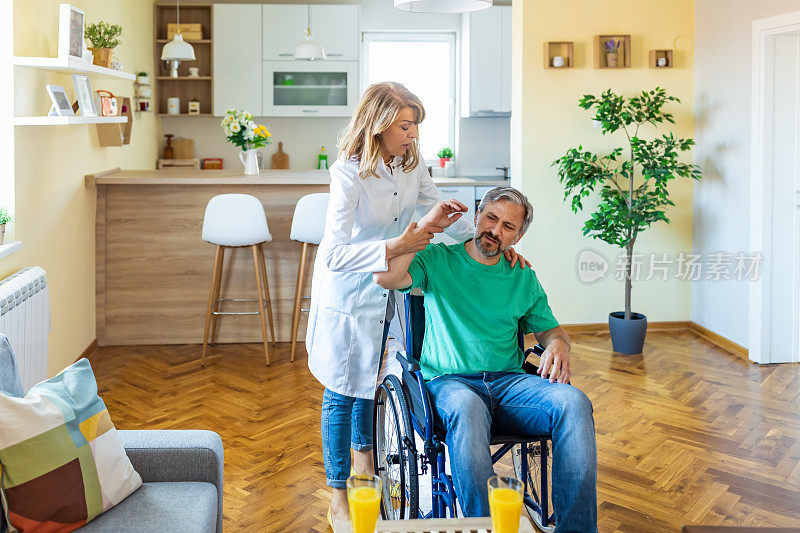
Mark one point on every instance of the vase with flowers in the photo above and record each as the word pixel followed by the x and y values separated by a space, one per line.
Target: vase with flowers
pixel 5 218
pixel 612 52
pixel 104 38
pixel 242 131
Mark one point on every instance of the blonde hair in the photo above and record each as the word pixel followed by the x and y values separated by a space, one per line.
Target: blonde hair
pixel 378 108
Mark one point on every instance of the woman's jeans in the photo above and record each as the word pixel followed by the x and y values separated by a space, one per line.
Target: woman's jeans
pixel 344 419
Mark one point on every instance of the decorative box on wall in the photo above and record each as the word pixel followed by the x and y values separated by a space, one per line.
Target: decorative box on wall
pixel 117 134
pixel 197 29
pixel 602 59
pixel 661 59
pixel 559 54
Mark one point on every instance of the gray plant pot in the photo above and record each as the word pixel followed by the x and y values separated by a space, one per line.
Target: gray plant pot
pixel 627 336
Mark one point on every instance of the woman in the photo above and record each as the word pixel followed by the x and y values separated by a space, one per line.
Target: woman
pixel 377 183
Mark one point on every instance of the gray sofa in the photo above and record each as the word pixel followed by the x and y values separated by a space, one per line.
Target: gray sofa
pixel 181 473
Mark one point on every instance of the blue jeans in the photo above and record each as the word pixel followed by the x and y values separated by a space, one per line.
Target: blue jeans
pixel 347 418
pixel 472 407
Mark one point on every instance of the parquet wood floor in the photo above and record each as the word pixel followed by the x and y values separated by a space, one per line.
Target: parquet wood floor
pixel 686 433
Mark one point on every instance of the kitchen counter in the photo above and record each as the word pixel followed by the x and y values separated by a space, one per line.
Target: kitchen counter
pixel 153 270
pixel 235 177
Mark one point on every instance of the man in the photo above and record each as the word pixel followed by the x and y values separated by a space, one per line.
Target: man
pixel 474 303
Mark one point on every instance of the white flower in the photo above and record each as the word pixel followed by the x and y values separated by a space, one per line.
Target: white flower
pixel 235 127
pixel 248 134
pixel 251 125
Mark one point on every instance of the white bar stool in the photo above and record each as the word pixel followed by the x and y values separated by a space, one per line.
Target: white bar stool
pixel 232 221
pixel 308 225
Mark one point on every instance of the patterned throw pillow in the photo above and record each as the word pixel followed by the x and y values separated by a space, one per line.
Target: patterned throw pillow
pixel 61 461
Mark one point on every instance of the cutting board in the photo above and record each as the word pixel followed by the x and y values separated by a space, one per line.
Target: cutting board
pixel 280 160
pixel 184 148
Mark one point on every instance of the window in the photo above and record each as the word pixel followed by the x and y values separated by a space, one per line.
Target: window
pixel 425 63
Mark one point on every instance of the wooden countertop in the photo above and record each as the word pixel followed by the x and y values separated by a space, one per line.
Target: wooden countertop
pixel 234 177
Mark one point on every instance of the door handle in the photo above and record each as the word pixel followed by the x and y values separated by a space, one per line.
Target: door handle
pixel 334 55
pixel 286 55
pixel 310 110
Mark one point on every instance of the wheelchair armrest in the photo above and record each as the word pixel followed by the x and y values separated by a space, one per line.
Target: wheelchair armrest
pixel 528 367
pixel 536 350
pixel 408 362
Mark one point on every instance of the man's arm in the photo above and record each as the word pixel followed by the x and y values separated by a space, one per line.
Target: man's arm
pixel 397 276
pixel 555 359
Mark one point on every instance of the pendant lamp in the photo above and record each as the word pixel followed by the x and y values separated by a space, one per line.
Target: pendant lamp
pixel 441 6
pixel 177 49
pixel 309 49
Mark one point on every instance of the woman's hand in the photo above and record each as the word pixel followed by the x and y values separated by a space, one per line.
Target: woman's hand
pixel 439 215
pixel 512 257
pixel 415 238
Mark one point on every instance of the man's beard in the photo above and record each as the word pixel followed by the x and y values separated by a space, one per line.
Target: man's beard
pixel 488 252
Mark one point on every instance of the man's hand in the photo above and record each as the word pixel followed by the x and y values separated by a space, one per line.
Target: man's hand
pixel 439 215
pixel 555 361
pixel 512 257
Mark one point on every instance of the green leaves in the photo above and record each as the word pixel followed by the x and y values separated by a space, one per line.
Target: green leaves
pixel 103 35
pixel 625 208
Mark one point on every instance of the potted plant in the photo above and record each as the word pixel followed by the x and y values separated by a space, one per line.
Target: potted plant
pixel 444 155
pixel 612 52
pixel 142 78
pixel 5 218
pixel 104 38
pixel 242 131
pixel 626 209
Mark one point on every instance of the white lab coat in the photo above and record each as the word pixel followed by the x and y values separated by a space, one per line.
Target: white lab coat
pixel 345 324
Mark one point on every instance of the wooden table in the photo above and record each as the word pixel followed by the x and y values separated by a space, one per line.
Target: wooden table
pixel 448 525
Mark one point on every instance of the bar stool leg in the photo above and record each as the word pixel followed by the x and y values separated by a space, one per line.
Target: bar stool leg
pixel 298 295
pixel 259 283
pixel 215 308
pixel 266 292
pixel 212 291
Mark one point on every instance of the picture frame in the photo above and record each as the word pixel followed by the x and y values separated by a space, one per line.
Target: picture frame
pixel 71 23
pixel 83 91
pixel 61 106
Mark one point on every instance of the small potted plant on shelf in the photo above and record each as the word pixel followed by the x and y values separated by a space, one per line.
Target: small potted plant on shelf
pixel 612 52
pixel 242 131
pixel 104 37
pixel 142 78
pixel 625 210
pixel 444 155
pixel 5 218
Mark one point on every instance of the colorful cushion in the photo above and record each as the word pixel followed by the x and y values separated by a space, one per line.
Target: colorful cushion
pixel 61 460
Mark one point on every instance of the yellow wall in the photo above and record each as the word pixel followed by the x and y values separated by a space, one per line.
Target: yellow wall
pixel 55 212
pixel 547 121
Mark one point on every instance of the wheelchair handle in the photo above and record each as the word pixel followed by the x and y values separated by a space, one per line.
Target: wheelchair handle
pixel 537 350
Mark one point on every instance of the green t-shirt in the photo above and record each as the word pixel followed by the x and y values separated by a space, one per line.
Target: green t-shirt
pixel 472 311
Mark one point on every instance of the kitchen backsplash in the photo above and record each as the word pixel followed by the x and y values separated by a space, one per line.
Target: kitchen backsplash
pixel 483 144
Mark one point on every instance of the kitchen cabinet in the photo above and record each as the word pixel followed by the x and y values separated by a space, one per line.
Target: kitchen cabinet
pixel 335 27
pixel 305 89
pixel 237 58
pixel 486 62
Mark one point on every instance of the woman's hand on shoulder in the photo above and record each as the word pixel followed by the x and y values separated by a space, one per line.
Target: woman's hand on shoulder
pixel 513 257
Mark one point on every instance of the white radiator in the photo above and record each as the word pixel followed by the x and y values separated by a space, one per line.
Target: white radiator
pixel 25 320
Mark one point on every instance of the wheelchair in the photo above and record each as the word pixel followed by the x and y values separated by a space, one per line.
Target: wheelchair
pixel 403 411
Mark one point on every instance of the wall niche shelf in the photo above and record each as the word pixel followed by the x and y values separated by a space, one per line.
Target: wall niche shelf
pixel 62 121
pixel 667 55
pixel 600 59
pixel 565 49
pixel 70 66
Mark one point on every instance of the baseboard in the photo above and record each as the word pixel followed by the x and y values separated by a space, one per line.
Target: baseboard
pixel 726 344
pixel 679 325
pixel 89 349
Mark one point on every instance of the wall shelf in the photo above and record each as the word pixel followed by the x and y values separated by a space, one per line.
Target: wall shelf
pixel 655 55
pixel 600 58
pixel 61 121
pixel 565 49
pixel 70 66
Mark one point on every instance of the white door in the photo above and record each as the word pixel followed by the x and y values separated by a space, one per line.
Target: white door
pixel 284 27
pixel 775 298
pixel 781 267
pixel 237 58
pixel 335 27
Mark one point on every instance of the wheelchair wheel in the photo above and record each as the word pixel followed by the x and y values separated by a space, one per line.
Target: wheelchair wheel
pixel 534 481
pixel 394 452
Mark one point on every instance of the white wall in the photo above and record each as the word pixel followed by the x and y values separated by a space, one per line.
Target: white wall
pixel 481 143
pixel 722 93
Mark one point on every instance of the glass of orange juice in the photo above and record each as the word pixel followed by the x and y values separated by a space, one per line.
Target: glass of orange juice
pixel 364 498
pixel 505 503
